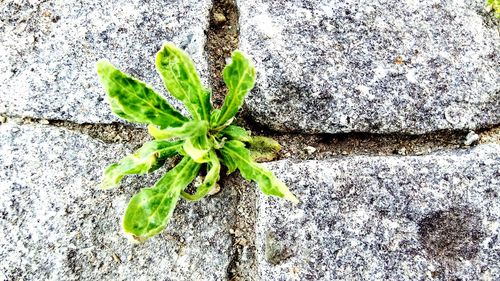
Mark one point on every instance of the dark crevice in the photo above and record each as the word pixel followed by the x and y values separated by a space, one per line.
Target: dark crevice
pixel 243 262
pixel 298 146
pixel 222 40
pixel 108 133
pixel 303 146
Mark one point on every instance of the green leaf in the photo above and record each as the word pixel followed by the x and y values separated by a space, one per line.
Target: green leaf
pixel 213 118
pixel 134 101
pixel 230 163
pixel 182 81
pixel 495 6
pixel 263 148
pixel 210 180
pixel 239 77
pixel 235 153
pixel 149 211
pixel 236 133
pixel 197 148
pixel 189 129
pixel 148 158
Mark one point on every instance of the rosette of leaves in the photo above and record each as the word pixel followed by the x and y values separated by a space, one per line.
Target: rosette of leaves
pixel 205 141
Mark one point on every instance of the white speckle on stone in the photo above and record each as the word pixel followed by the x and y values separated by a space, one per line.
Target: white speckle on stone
pixel 379 72
pixel 363 89
pixel 391 224
pixel 452 114
pixel 489 161
pixel 265 25
pixel 412 4
pixel 411 75
pixel 327 10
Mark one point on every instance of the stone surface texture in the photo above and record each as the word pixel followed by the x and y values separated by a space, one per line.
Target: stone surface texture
pixel 372 66
pixel 433 217
pixel 48 51
pixel 55 223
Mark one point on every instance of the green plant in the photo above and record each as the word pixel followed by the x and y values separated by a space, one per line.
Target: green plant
pixel 494 5
pixel 204 141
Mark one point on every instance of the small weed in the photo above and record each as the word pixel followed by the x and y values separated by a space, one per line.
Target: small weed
pixel 205 141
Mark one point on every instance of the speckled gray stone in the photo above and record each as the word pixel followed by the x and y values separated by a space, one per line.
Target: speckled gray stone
pixel 434 217
pixel 55 224
pixel 48 51
pixel 372 66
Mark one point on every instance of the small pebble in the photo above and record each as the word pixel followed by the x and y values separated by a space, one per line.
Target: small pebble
pixel 471 138
pixel 219 18
pixel 3 119
pixel 241 241
pixel 310 149
pixel 214 190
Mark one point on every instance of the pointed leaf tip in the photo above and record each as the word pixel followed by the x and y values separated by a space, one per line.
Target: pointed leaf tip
pixel 290 197
pixel 180 77
pixel 135 101
pixel 150 210
pixel 234 154
pixel 239 77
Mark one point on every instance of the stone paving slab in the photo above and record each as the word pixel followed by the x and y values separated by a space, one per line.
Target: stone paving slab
pixel 56 225
pixel 434 217
pixel 48 51
pixel 372 66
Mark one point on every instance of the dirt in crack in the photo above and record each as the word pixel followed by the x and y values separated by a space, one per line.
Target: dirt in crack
pixel 108 133
pixel 243 263
pixel 299 146
pixel 222 40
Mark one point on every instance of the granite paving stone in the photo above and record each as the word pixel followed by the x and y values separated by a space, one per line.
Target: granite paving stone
pixel 56 224
pixel 48 51
pixel 433 217
pixel 372 66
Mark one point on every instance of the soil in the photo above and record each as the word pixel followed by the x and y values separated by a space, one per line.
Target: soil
pixel 243 263
pixel 222 40
pixel 300 146
pixel 108 133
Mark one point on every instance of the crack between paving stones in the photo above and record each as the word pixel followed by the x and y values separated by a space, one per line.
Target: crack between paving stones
pixel 222 40
pixel 297 146
pixel 107 133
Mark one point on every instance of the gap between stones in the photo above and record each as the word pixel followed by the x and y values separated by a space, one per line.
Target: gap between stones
pixel 222 39
pixel 296 146
pixel 107 133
